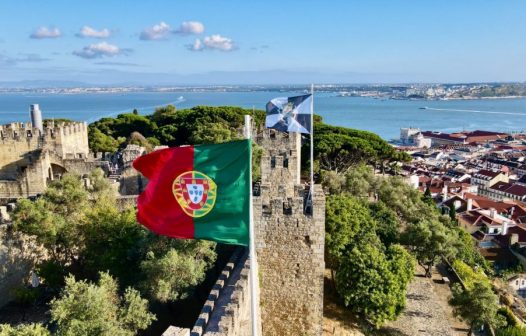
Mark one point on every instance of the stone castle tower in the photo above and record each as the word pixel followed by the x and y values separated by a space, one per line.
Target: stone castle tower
pixel 289 241
pixel 31 156
pixel 289 246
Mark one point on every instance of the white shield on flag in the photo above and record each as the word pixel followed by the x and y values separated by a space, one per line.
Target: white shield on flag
pixel 196 192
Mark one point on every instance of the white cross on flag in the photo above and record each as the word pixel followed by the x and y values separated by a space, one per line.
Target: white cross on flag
pixel 290 114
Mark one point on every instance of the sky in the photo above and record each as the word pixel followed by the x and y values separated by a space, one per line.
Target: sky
pixel 114 42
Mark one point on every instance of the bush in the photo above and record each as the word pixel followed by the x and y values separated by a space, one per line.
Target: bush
pixel 96 309
pixel 24 330
pixel 511 320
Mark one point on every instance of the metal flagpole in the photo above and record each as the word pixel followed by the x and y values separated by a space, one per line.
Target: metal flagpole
pixel 252 242
pixel 311 189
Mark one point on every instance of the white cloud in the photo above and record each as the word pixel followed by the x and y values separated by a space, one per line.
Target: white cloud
pixel 88 31
pixel 21 58
pixel 157 32
pixel 191 27
pixel 100 50
pixel 32 57
pixel 196 46
pixel 212 42
pixel 45 32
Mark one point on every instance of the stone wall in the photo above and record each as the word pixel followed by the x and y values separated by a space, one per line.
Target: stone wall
pixel 289 242
pixel 10 190
pixel 18 255
pixel 30 159
pixel 290 246
pixel 69 140
pixel 131 182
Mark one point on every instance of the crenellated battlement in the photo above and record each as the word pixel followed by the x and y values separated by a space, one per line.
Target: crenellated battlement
pixel 19 131
pixel 32 156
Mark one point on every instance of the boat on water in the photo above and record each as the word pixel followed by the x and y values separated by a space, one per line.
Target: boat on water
pixel 423 108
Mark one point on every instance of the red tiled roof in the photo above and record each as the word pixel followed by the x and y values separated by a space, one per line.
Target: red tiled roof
pixel 445 136
pixel 488 173
pixel 484 133
pixel 488 204
pixel 517 190
pixel 501 186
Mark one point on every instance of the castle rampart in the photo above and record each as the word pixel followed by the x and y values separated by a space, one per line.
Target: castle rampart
pixel 30 158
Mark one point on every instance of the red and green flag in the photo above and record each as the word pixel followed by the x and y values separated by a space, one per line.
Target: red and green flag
pixel 197 192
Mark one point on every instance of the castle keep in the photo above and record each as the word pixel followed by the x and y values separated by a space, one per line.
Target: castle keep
pixel 289 241
pixel 33 155
pixel 289 244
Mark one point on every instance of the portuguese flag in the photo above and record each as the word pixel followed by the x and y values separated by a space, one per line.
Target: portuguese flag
pixel 197 192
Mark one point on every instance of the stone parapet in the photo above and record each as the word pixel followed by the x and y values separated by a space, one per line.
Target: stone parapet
pixel 227 310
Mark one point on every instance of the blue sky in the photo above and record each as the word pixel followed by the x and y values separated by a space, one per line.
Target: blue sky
pixel 243 42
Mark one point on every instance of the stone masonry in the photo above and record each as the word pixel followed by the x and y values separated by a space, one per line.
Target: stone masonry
pixel 289 242
pixel 31 158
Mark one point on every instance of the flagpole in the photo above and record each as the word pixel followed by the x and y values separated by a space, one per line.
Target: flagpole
pixel 311 189
pixel 252 240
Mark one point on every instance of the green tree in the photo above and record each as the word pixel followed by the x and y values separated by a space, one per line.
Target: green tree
pixel 213 133
pixel 477 306
pixel 113 242
pixel 128 123
pixel 507 313
pixel 56 218
pixel 100 142
pixel 366 282
pixel 24 330
pixel 402 264
pixel 96 309
pixel 468 252
pixel 162 115
pixel 404 200
pixel 428 198
pixel 388 225
pixel 332 181
pixel 468 275
pixel 430 240
pixel 340 148
pixel 361 181
pixel 173 275
pixel 346 218
pixel 511 331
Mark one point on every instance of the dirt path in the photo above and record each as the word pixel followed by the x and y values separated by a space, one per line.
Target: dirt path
pixel 427 311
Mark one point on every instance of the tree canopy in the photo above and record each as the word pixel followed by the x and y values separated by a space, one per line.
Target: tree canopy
pixel 85 232
pixel 172 127
pixel 96 309
pixel 338 148
pixel 477 305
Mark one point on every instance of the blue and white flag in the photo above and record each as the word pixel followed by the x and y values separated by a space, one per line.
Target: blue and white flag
pixel 290 114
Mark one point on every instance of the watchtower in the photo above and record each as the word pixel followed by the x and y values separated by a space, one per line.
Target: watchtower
pixel 289 240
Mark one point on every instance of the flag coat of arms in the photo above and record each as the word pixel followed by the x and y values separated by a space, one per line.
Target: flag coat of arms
pixel 290 114
pixel 197 192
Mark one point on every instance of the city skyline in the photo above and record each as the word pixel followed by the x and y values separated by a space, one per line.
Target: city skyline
pixel 262 43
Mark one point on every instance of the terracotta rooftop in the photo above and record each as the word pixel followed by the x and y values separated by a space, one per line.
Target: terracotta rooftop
pixel 517 190
pixel 501 186
pixel 487 173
